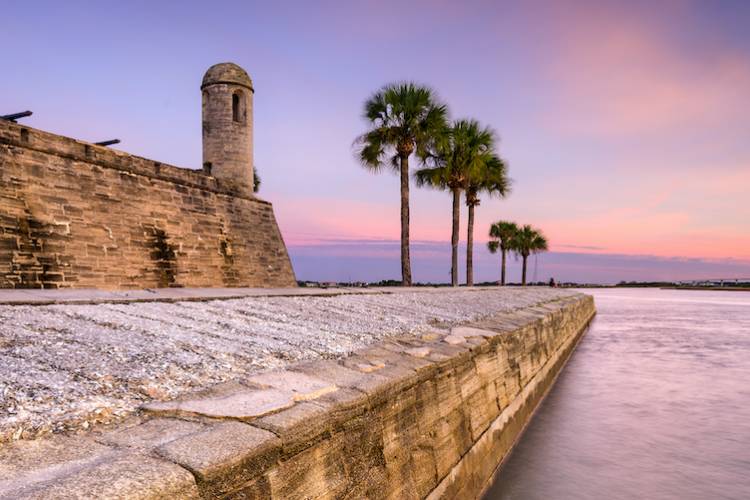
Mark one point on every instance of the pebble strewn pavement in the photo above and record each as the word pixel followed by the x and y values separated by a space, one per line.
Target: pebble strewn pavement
pixel 67 367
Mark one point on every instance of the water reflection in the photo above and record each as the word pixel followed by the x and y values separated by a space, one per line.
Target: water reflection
pixel 654 404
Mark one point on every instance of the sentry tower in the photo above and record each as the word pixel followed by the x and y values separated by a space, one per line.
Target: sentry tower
pixel 228 126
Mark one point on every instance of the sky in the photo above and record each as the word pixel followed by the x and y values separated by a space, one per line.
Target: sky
pixel 625 125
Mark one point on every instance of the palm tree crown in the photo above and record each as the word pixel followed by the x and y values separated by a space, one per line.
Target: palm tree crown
pixel 460 154
pixel 528 241
pixel 502 233
pixel 405 118
pixel 491 178
pixel 501 239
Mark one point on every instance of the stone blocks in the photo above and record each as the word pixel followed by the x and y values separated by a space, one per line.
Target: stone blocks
pixel 77 215
pixel 409 418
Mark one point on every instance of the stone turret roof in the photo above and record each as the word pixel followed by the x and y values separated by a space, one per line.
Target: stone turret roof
pixel 227 73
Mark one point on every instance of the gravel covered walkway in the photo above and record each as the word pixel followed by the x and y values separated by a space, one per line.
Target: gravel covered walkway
pixel 66 367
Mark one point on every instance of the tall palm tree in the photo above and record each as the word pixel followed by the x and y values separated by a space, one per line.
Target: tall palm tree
pixel 492 178
pixel 405 118
pixel 464 149
pixel 502 234
pixel 528 241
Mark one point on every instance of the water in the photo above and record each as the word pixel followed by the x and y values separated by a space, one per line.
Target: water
pixel 654 404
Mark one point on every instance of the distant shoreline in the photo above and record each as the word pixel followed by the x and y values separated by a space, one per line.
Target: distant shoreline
pixel 712 288
pixel 395 283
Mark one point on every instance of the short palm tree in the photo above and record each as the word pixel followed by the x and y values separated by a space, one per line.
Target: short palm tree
pixel 461 154
pixel 405 118
pixel 491 178
pixel 502 234
pixel 528 241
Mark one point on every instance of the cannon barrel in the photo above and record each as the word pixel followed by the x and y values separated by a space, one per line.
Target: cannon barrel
pixel 15 116
pixel 108 143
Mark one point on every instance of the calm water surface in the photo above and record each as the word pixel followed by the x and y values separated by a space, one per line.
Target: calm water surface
pixel 654 404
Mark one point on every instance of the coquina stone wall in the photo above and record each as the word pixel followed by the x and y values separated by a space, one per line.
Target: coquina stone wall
pixel 73 214
pixel 409 418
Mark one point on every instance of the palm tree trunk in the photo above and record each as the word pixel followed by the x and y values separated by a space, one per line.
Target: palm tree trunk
pixel 454 236
pixel 470 248
pixel 405 258
pixel 502 267
pixel 523 274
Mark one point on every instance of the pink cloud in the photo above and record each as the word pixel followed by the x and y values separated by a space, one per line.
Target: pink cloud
pixel 616 74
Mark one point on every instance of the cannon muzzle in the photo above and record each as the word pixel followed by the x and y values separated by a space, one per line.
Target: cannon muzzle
pixel 15 116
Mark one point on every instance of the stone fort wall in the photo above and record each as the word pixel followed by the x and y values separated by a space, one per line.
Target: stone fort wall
pixel 73 214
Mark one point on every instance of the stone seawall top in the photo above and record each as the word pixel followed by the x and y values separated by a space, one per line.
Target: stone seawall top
pixel 67 367
pixel 440 387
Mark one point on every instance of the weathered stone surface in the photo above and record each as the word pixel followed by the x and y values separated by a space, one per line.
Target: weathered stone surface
pixel 395 425
pixel 149 434
pixel 317 472
pixel 452 433
pixel 298 427
pixel 244 404
pixel 224 456
pixel 400 435
pixel 303 387
pixel 335 373
pixel 343 405
pixel 454 339
pixel 468 331
pixel 25 464
pixel 129 476
pixel 73 468
pixel 78 215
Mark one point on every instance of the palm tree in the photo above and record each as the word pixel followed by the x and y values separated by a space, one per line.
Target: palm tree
pixel 405 118
pixel 502 234
pixel 528 241
pixel 463 153
pixel 492 178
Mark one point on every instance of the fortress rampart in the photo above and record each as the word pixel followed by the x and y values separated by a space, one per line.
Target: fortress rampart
pixel 74 214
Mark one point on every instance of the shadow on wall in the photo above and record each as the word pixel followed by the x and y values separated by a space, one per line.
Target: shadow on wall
pixel 33 263
pixel 162 253
pixel 229 273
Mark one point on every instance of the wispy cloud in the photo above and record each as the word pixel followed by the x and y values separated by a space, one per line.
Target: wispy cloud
pixel 579 247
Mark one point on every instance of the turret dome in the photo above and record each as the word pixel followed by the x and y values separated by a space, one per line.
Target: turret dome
pixel 227 73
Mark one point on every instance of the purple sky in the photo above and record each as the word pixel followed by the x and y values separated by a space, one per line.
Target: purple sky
pixel 626 125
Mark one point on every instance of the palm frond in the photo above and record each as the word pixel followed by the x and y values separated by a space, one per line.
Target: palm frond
pixel 404 117
pixel 528 241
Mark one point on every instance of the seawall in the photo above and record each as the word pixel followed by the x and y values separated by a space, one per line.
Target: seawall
pixel 78 215
pixel 428 416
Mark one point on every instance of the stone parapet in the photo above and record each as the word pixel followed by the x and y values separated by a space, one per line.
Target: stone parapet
pixel 411 417
pixel 15 135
